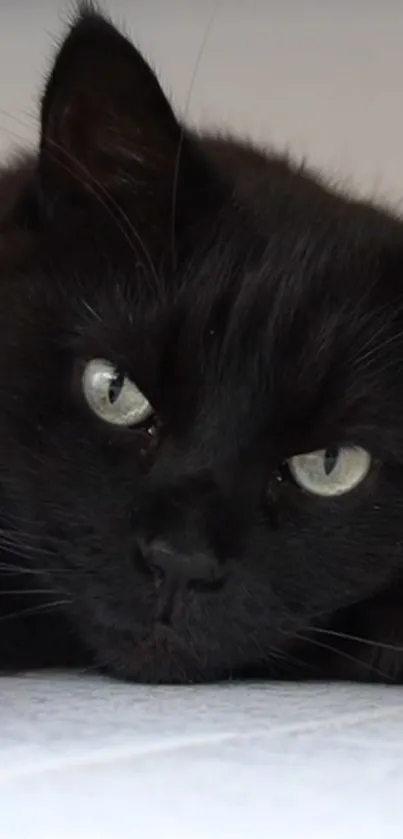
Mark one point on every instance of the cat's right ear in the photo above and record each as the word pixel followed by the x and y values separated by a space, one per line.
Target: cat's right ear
pixel 107 127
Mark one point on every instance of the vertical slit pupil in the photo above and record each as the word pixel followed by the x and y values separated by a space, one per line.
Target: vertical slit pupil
pixel 115 387
pixel 331 458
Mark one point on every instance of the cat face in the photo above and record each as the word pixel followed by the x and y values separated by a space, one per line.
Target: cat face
pixel 201 409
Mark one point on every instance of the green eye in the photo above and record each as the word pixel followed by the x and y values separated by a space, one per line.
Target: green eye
pixel 112 396
pixel 332 471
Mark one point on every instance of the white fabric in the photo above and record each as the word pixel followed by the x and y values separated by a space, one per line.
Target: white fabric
pixel 87 758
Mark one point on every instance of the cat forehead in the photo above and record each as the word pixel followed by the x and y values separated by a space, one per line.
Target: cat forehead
pixel 233 283
pixel 289 284
pixel 296 323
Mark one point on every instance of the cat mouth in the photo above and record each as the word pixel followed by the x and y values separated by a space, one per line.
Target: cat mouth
pixel 172 593
pixel 169 601
pixel 164 656
pixel 161 634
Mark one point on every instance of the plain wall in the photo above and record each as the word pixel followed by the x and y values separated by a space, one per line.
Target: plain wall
pixel 321 77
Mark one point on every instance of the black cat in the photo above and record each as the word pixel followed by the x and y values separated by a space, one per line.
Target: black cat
pixel 201 397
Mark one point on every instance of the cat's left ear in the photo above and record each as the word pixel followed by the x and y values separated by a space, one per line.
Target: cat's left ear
pixel 107 127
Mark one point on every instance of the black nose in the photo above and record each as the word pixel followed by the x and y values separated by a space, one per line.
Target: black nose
pixel 183 568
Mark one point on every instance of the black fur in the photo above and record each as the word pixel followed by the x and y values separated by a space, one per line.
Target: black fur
pixel 262 316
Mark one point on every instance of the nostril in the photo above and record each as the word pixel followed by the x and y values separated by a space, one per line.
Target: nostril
pixel 161 557
pixel 140 560
pixel 197 569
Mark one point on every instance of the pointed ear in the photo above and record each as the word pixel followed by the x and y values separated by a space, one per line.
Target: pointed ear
pixel 107 126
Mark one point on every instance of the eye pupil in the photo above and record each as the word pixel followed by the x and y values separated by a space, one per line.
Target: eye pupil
pixel 115 387
pixel 331 457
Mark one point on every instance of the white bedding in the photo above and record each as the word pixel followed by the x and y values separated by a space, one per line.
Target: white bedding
pixel 89 758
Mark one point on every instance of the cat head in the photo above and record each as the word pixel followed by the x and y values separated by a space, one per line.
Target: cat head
pixel 201 409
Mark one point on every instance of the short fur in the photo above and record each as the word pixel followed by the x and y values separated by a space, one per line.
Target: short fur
pixel 261 313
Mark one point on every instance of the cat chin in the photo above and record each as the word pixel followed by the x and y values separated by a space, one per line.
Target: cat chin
pixel 161 657
pixel 164 654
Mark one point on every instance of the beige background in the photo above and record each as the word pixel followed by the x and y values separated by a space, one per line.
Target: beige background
pixel 323 78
